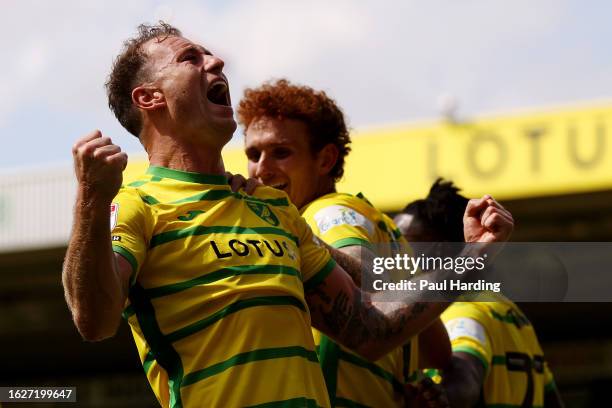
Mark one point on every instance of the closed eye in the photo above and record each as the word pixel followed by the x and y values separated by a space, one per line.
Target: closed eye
pixel 190 57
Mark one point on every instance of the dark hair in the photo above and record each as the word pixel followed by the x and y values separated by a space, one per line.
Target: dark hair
pixel 128 72
pixel 441 212
pixel 282 99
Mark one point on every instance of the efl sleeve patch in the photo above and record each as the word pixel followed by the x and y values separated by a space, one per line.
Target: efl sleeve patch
pixel 114 212
pixel 335 215
pixel 466 327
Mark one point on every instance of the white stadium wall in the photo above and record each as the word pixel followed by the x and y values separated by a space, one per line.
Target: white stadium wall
pixel 36 208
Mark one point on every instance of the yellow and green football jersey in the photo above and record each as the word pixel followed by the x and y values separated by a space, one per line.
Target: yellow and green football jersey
pixel 343 220
pixel 503 339
pixel 216 303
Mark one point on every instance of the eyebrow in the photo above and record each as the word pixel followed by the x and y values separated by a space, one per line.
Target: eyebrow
pixel 251 150
pixel 192 48
pixel 283 143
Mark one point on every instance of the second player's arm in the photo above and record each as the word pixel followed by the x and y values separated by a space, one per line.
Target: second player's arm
pixel 434 345
pixel 353 318
pixel 373 328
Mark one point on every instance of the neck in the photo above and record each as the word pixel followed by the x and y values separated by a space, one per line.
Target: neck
pixel 326 186
pixel 179 154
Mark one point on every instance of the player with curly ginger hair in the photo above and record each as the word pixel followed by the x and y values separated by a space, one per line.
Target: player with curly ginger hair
pixel 297 141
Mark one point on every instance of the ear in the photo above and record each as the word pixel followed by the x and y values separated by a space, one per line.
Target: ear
pixel 148 98
pixel 327 158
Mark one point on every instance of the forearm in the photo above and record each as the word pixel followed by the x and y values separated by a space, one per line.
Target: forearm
pixel 370 328
pixel 412 314
pixel 387 325
pixel 349 260
pixel 374 324
pixel 462 382
pixel 92 285
pixel 434 346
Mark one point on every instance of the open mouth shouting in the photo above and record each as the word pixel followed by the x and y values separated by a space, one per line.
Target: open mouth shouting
pixel 218 92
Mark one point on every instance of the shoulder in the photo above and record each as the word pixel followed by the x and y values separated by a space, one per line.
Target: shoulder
pixel 129 194
pixel 472 310
pixel 331 199
pixel 338 209
pixel 270 197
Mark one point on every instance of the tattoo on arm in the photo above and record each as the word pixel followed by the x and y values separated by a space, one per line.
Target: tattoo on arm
pixel 351 262
pixel 357 321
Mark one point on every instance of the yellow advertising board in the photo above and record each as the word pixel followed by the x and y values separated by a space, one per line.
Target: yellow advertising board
pixel 516 156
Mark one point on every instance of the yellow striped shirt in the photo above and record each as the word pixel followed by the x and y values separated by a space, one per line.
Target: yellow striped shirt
pixel 503 339
pixel 343 220
pixel 216 302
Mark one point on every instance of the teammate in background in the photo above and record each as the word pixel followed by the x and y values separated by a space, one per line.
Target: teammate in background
pixel 497 360
pixel 296 141
pixel 214 284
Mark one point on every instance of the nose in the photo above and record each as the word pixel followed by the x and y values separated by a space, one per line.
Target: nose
pixel 264 169
pixel 213 64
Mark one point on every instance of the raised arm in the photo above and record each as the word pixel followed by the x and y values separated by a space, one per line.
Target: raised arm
pixel 95 280
pixel 434 345
pixel 373 328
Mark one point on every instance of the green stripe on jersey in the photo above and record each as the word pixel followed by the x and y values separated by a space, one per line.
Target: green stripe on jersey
pixel 511 318
pixel 300 402
pixel 210 195
pixel 328 352
pixel 214 195
pixel 320 276
pixel 161 348
pixel 148 361
pixel 128 257
pixel 396 233
pixel 222 274
pixel 165 172
pixel 150 200
pixel 128 312
pixel 277 202
pixel 475 353
pixel 138 183
pixel 233 308
pixel 248 357
pixel 174 235
pixel 372 368
pixel 344 242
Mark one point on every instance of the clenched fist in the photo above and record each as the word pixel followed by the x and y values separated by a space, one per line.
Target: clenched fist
pixel 98 165
pixel 485 220
pixel 426 394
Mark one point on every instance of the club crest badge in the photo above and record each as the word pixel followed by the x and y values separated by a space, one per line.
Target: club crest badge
pixel 263 212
